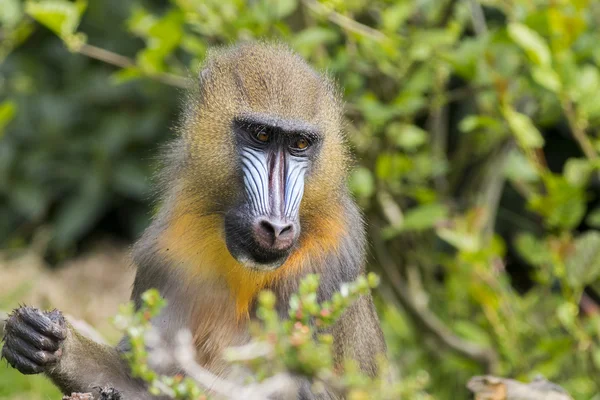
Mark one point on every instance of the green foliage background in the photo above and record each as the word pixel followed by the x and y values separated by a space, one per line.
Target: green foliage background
pixel 475 126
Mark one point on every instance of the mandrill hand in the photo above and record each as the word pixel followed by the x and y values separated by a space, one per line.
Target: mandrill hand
pixel 33 339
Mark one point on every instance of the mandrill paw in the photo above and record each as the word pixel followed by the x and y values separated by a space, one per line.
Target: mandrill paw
pixel 33 339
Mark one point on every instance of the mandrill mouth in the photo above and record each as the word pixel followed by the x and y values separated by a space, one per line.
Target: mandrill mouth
pixel 262 243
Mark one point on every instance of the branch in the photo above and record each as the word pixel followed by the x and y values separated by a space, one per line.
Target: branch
pixel 347 23
pixel 280 385
pixel 493 388
pixel 427 319
pixel 120 61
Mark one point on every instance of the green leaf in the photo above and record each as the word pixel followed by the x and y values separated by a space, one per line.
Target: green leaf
pixel 305 41
pixel 8 110
pixel 535 251
pixel 125 75
pixel 531 42
pixel 522 127
pixel 473 122
pixel 583 263
pixel 472 332
pixel 519 168
pixel 283 8
pixel 563 205
pixel 60 16
pixel 406 136
pixel 12 12
pixel 546 77
pixel 420 218
pixel 593 218
pixel 464 241
pixel 392 166
pixel 566 313
pixel 393 17
pixel 361 182
pixel 577 171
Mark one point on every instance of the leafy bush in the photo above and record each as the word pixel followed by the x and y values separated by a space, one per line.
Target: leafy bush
pixel 277 351
pixel 475 126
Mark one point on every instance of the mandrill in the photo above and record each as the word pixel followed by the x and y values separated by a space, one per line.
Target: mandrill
pixel 253 197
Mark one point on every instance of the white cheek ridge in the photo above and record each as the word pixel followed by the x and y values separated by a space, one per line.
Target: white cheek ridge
pixel 254 167
pixel 294 189
pixel 255 179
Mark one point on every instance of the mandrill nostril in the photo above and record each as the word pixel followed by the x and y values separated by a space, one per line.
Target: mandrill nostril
pixel 274 233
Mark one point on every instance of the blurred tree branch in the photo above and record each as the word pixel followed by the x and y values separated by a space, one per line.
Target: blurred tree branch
pixel 120 61
pixel 346 23
pixel 424 317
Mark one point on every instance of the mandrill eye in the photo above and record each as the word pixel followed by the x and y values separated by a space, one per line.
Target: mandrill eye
pixel 262 136
pixel 301 144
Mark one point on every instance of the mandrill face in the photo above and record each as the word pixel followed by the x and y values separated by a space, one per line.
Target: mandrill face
pixel 274 155
pixel 265 139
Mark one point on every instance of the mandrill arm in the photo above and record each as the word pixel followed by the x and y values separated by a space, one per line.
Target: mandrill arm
pixel 357 336
pixel 36 342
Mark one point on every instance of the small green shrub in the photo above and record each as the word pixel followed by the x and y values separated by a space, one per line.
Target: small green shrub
pixel 297 346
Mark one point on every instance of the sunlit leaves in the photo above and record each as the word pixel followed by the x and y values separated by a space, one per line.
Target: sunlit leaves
pixel 307 40
pixel 531 42
pixel 562 205
pixel 546 77
pixel 534 250
pixel 12 12
pixel 585 91
pixel 163 35
pixel 583 263
pixel 405 136
pixel 577 171
pixel 419 218
pixel 527 135
pixel 60 16
pixel 282 9
pixel 394 16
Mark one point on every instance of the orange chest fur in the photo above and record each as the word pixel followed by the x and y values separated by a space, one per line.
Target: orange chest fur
pixel 197 244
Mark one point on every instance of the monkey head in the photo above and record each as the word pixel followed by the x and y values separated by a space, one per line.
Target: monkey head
pixel 265 140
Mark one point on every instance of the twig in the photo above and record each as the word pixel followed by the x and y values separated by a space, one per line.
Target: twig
pixel 493 388
pixel 120 61
pixel 248 351
pixel 105 55
pixel 578 132
pixel 437 125
pixel 427 319
pixel 281 385
pixel 347 23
